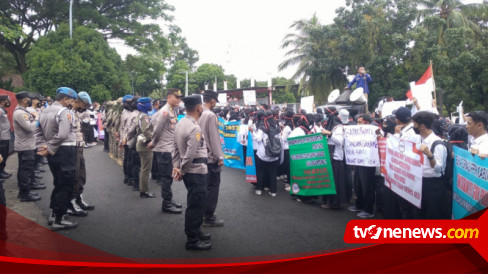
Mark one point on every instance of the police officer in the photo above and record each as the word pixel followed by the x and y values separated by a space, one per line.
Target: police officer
pixel 134 161
pixel 57 140
pixel 190 159
pixel 77 205
pixel 163 143
pixel 215 159
pixel 35 110
pixel 4 135
pixel 25 145
pixel 126 113
pixel 143 137
pixel 3 215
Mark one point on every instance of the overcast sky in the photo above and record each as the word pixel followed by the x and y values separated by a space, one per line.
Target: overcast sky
pixel 245 37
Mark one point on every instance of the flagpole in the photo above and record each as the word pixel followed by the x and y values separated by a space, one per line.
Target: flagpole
pixel 433 82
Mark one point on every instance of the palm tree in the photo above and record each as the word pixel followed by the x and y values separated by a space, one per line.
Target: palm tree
pixel 455 14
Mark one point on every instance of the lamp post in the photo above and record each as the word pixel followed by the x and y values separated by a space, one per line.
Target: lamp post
pixel 71 19
pixel 132 80
pixel 186 83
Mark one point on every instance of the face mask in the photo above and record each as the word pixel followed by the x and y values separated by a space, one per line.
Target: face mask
pixel 7 104
pixel 81 110
pixel 39 104
pixel 416 130
pixel 29 103
pixel 69 107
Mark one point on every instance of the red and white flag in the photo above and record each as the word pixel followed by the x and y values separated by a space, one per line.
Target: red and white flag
pixel 426 79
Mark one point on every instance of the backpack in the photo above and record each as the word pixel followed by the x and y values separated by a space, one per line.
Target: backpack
pixel 272 146
pixel 447 175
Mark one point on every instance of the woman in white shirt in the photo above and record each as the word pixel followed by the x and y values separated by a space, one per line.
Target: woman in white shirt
pixel 287 129
pixel 268 165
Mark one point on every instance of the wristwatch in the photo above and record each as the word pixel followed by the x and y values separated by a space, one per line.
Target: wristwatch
pixel 431 157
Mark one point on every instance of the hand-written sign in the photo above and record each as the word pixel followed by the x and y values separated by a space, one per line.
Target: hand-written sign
pixel 361 146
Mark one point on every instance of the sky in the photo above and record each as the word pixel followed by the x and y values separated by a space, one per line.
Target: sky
pixel 245 37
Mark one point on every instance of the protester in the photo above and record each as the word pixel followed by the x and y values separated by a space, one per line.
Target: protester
pixel 476 124
pixel 362 80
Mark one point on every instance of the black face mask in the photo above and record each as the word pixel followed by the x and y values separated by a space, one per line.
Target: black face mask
pixel 39 104
pixel 81 110
pixel 416 130
pixel 7 104
pixel 29 103
pixel 70 107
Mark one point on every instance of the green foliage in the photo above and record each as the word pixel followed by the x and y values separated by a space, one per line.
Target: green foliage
pixel 206 74
pixel 85 62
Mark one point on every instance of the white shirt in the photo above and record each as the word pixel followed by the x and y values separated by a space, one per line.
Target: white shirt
pixel 284 137
pixel 407 133
pixel 480 143
pixel 243 133
pixel 337 140
pixel 259 140
pixel 297 132
pixel 439 154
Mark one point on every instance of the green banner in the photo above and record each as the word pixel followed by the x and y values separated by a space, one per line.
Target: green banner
pixel 310 166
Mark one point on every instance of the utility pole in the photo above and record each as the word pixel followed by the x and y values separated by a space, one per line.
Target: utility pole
pixel 71 19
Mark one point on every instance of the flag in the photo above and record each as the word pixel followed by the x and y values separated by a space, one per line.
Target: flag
pixel 428 76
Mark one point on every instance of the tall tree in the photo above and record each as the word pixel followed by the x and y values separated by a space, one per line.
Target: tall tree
pixel 114 18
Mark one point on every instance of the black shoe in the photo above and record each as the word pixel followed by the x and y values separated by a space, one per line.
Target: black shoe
pixel 30 192
pixel 197 245
pixel 6 173
pixel 4 176
pixel 38 186
pixel 29 198
pixel 76 213
pixel 212 222
pixel 171 209
pixel 147 195
pixel 178 205
pixel 83 205
pixel 63 223
pixel 205 236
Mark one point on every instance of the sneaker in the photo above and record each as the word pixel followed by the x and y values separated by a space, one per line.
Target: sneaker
pixel 272 194
pixel 266 189
pixel 353 209
pixel 258 192
pixel 64 223
pixel 364 214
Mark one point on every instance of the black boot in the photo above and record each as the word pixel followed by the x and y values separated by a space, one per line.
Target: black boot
pixel 197 245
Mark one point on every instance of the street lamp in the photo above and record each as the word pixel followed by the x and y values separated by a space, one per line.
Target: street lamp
pixel 71 19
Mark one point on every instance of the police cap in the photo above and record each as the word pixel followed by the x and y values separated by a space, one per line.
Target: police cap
pixel 192 100
pixel 211 94
pixel 67 91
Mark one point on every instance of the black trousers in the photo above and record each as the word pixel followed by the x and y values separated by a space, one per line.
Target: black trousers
pixel 154 169
pixel 135 167
pixel 365 188
pixel 88 134
pixel 126 163
pixel 391 207
pixel 285 166
pixel 339 179
pixel 196 184
pixel 25 172
pixel 106 141
pixel 4 147
pixel 348 181
pixel 63 167
pixel 213 186
pixel 165 168
pixel 435 200
pixel 3 214
pixel 267 174
pixel 80 177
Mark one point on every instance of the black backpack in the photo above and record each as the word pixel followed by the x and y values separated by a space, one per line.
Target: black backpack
pixel 447 175
pixel 272 147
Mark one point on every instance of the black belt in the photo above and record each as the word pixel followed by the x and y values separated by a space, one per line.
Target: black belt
pixel 199 161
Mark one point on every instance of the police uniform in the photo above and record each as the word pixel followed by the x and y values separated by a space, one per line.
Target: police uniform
pixel 4 139
pixel 134 159
pixel 143 137
pixel 190 156
pixel 164 144
pixel 56 132
pixel 25 145
pixel 210 130
pixel 123 131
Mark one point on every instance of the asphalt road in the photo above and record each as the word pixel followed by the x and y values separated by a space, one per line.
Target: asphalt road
pixel 126 225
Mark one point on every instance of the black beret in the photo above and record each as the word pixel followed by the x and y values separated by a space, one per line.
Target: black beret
pixel 23 94
pixel 211 94
pixel 192 100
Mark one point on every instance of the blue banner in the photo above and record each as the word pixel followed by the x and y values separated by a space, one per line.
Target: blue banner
pixel 470 184
pixel 250 163
pixel 233 153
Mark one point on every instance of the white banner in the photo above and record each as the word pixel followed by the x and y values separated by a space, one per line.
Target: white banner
pixel 361 146
pixel 222 99
pixel 404 169
pixel 389 107
pixel 423 94
pixel 306 103
pixel 249 97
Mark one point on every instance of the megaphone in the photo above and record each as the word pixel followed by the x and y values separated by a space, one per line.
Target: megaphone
pixel 333 96
pixel 357 96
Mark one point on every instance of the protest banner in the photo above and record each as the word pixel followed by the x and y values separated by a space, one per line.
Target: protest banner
pixel 233 154
pixel 470 184
pixel 389 107
pixel 250 162
pixel 423 94
pixel 306 103
pixel 403 169
pixel 249 97
pixel 382 151
pixel 222 99
pixel 361 146
pixel 310 166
